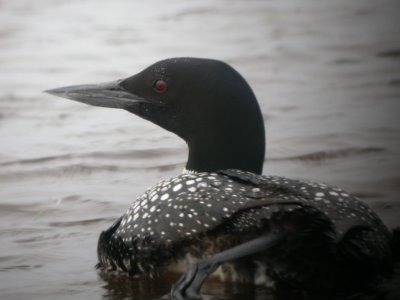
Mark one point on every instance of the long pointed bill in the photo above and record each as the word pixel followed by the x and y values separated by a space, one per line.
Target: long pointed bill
pixel 109 94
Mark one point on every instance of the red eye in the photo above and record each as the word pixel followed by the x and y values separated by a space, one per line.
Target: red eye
pixel 160 86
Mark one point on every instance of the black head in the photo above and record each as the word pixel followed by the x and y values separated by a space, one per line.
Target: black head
pixel 205 102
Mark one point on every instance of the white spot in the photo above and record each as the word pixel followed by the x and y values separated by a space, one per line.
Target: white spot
pixel 192 189
pixel 177 187
pixel 154 198
pixel 189 182
pixel 333 193
pixel 135 216
pixel 202 184
pixel 225 209
pixel 164 197
pixel 319 194
pixel 181 215
pixel 167 215
pixel 153 208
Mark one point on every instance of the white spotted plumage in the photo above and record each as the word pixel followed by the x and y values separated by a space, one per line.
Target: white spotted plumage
pixel 189 206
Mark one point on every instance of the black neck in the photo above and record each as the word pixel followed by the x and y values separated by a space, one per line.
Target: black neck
pixel 233 147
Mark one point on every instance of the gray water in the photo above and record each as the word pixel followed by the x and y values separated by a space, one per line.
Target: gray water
pixel 326 74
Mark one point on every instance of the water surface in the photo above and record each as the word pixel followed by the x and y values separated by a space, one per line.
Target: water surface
pixel 326 74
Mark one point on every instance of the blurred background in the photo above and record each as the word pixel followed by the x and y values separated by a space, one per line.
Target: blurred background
pixel 326 74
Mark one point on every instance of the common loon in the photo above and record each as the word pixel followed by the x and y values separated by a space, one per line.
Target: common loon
pixel 221 213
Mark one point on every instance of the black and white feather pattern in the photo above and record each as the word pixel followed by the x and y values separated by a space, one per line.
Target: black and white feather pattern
pixel 176 214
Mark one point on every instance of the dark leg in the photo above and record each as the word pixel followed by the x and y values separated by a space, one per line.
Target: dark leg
pixel 188 286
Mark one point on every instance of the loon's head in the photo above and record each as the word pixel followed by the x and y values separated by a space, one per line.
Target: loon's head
pixel 205 102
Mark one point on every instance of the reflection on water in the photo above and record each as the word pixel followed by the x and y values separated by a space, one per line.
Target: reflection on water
pixel 118 288
pixel 326 74
pixel 145 288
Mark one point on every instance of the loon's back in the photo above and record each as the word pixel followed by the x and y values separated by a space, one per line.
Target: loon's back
pixel 333 241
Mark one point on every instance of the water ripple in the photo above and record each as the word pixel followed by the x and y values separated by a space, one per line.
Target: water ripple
pixel 128 154
pixel 81 222
pixel 331 154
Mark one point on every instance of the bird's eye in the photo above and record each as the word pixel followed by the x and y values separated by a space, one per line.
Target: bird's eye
pixel 160 86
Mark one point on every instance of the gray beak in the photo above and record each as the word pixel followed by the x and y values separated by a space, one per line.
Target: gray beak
pixel 109 94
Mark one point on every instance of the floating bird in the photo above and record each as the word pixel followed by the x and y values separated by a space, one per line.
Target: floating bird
pixel 221 216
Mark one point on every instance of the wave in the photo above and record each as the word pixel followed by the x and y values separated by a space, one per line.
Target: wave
pixel 331 154
pixel 85 222
pixel 72 170
pixel 128 154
